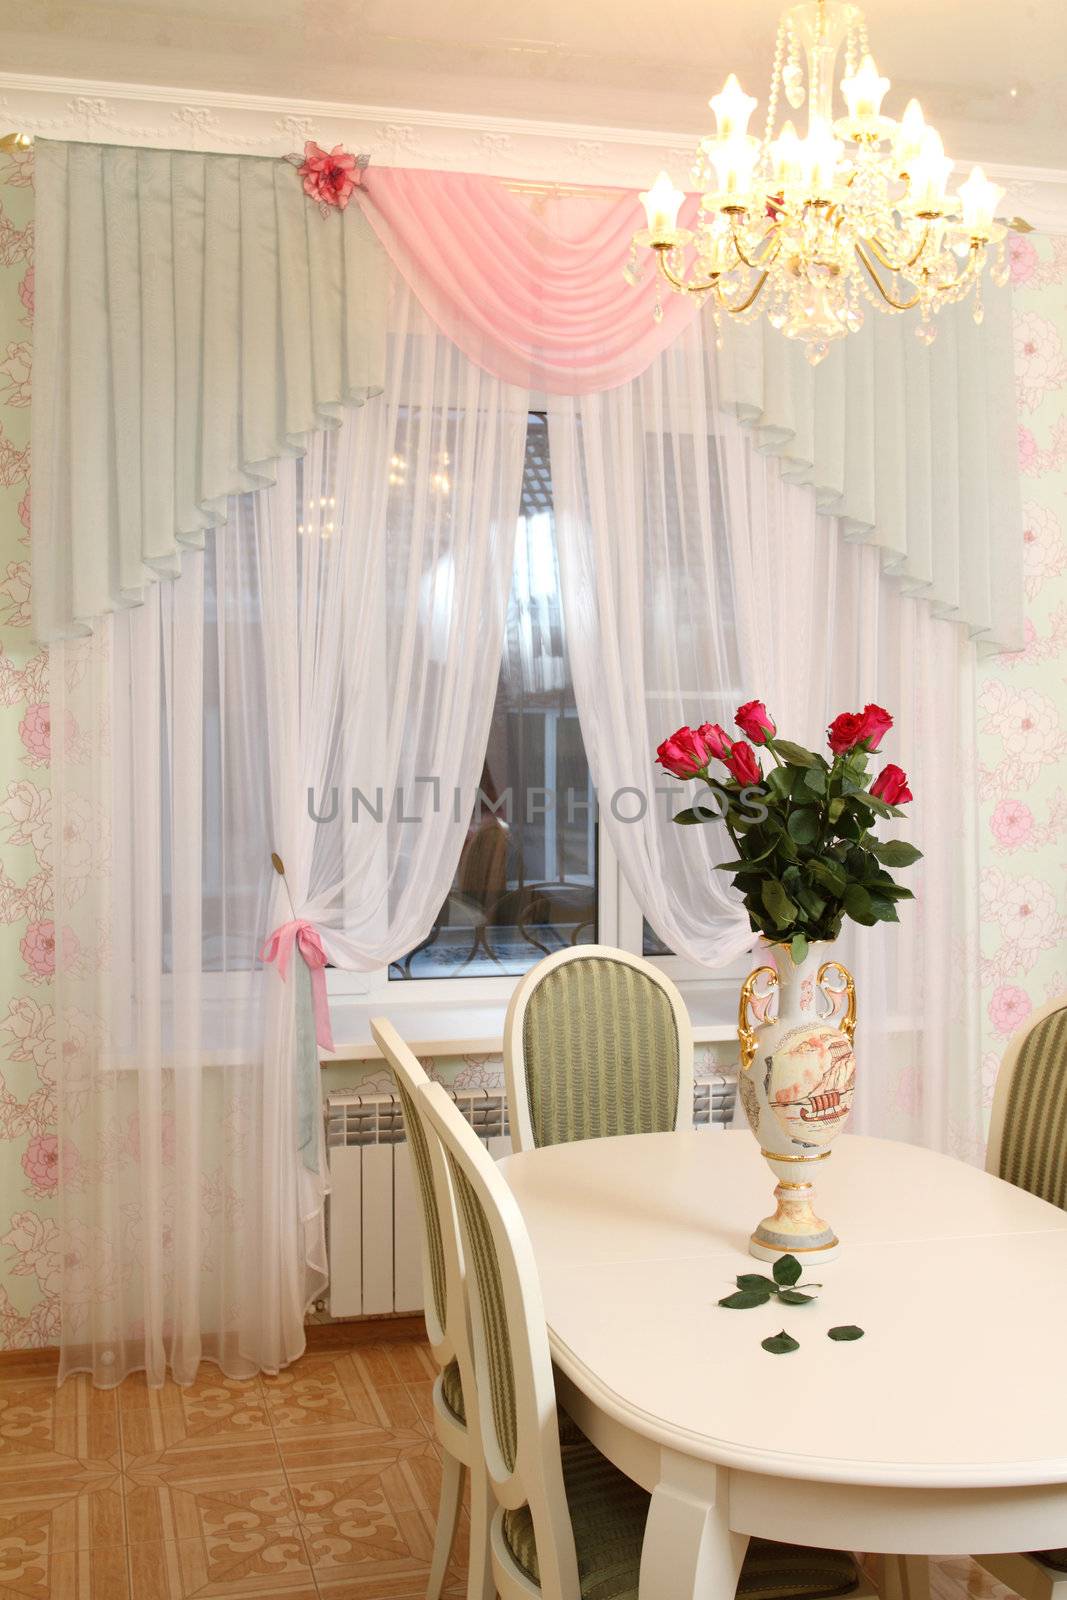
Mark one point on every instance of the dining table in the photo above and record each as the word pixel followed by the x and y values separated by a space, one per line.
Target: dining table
pixel 942 1430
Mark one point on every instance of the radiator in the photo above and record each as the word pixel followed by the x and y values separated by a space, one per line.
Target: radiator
pixel 373 1225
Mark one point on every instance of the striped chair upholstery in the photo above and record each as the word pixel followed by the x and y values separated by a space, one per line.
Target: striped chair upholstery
pixel 482 1260
pixel 1033 1152
pixel 600 1052
pixel 608 1514
pixel 428 1205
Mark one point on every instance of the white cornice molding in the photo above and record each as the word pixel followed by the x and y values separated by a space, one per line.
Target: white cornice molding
pixel 505 147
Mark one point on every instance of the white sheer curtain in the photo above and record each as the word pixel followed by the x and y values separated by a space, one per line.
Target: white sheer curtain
pixel 694 578
pixel 343 629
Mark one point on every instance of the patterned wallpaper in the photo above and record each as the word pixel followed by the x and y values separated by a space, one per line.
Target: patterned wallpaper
pixel 29 1263
pixel 1023 749
pixel 1022 699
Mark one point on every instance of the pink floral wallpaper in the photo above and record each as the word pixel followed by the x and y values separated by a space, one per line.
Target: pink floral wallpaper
pixel 1022 699
pixel 29 1261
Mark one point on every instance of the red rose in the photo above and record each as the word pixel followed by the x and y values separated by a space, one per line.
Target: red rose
pixel 876 724
pixel 743 764
pixel 891 785
pixel 685 754
pixel 717 740
pixel 845 732
pixel 753 720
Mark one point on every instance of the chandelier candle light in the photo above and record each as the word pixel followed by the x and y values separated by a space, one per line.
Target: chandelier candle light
pixel 806 858
pixel 808 228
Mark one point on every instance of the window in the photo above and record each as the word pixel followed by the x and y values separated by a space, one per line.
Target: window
pixel 527 881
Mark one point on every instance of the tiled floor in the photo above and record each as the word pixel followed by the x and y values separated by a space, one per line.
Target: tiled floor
pixel 319 1483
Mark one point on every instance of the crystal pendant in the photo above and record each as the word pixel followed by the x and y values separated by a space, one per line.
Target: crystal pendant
pixel 793 84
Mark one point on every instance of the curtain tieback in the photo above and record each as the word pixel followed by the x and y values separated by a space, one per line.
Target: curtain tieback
pixel 278 950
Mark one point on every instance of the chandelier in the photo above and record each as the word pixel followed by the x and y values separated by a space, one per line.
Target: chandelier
pixel 809 229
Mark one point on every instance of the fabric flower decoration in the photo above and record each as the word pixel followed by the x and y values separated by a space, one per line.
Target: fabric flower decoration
pixel 329 175
pixel 754 722
pixel 891 785
pixel 743 764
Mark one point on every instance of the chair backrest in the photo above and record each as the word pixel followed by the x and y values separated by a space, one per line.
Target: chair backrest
pixel 596 1042
pixel 1028 1126
pixel 509 1340
pixel 440 1313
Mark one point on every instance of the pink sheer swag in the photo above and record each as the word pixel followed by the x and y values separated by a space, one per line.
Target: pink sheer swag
pixel 525 278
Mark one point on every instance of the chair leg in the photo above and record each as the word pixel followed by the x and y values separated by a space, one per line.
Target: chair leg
pixel 447 1521
pixel 906 1578
pixel 480 1572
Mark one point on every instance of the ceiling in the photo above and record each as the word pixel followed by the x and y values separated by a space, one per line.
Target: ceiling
pixel 989 74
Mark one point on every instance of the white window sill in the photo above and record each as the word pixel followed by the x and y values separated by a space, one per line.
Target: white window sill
pixel 460 1027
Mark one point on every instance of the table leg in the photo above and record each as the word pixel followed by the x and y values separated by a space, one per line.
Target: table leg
pixel 690 1552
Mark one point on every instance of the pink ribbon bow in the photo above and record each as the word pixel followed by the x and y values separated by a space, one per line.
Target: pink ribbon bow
pixel 278 951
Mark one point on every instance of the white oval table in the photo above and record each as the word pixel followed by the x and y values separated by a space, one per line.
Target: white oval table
pixel 943 1430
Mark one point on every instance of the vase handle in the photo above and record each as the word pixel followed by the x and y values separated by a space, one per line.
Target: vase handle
pixel 848 1021
pixel 746 1032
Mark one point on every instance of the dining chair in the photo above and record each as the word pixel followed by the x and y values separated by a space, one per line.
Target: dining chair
pixel 596 1042
pixel 567 1524
pixel 454 1394
pixel 1028 1147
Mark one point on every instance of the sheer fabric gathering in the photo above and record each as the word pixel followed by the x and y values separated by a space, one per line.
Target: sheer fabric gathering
pixel 340 629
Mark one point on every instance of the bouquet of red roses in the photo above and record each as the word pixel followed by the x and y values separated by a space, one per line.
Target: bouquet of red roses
pixel 803 831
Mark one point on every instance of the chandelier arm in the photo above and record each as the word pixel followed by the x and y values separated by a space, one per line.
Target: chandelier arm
pixel 759 264
pixel 897 305
pixel 683 283
pixel 893 266
pixel 736 310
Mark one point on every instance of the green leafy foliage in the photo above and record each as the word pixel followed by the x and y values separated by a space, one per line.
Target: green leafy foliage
pixel 806 856
pixel 781 1344
pixel 786 1271
pixel 845 1333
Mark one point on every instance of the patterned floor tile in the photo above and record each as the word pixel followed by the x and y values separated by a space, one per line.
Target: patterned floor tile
pixel 188 1569
pixel 217 1492
pixel 214 1407
pixel 334 1392
pixel 29 1574
pixel 360 1484
pixel 76 1420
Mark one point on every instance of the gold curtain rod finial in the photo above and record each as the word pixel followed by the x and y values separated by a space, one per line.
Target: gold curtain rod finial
pixel 277 863
pixel 16 141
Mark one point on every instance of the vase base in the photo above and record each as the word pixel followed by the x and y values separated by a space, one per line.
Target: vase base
pixel 770 1246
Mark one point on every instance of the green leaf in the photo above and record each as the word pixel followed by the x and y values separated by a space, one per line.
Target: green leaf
pixel 756 1280
pixel 793 753
pixel 786 1270
pixel 815 779
pixel 780 782
pixel 799 948
pixel 883 908
pixel 836 808
pixel 793 1297
pixel 896 852
pixel 858 905
pixel 845 1332
pixel 779 906
pixel 812 903
pixel 745 1299
pixel 880 806
pixel 829 874
pixel 803 825
pixel 780 1344
pixel 693 814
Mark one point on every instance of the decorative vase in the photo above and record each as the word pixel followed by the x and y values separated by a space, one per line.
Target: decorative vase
pixel 796 1081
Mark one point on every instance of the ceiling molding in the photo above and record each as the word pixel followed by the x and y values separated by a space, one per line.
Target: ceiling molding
pixel 554 152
